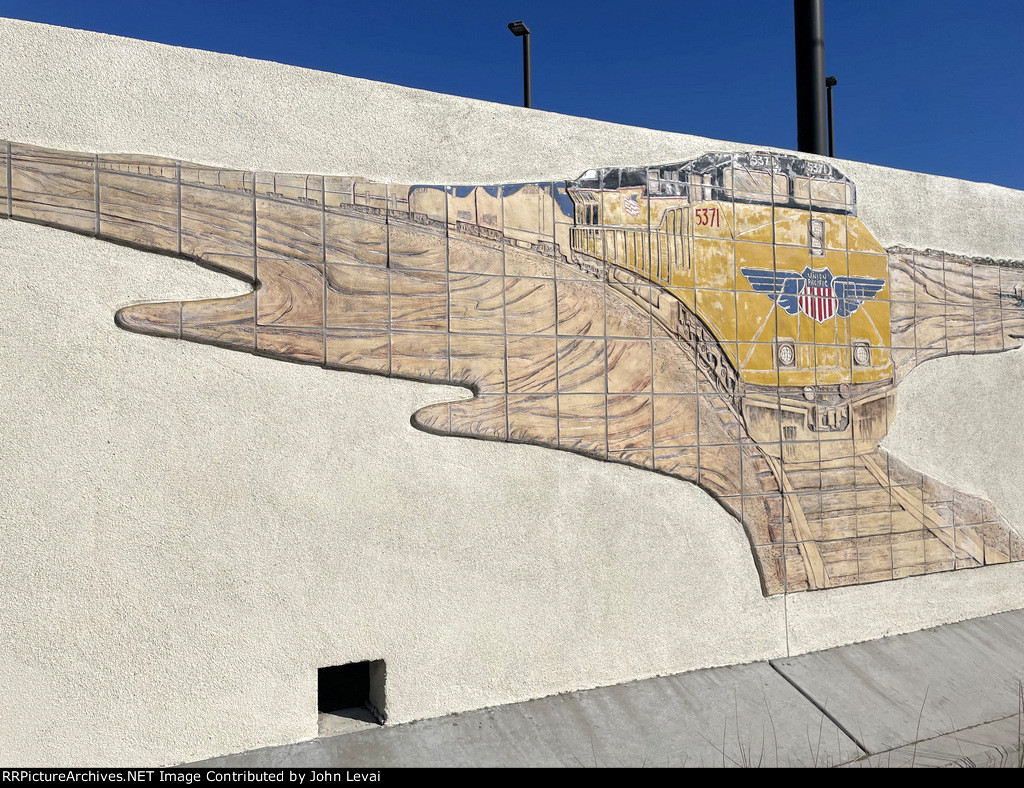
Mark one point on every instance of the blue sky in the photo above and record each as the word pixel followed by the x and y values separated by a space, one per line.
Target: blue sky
pixel 933 86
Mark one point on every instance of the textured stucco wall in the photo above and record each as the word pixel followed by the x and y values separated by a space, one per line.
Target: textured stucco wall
pixel 187 532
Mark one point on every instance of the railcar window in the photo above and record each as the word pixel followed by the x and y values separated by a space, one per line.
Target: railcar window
pixel 831 193
pixel 756 184
pixel 780 188
pixel 802 191
pixel 828 194
pixel 630 177
pixel 700 187
pixel 587 209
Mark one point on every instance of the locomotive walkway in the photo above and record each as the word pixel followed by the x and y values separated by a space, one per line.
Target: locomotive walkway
pixel 949 696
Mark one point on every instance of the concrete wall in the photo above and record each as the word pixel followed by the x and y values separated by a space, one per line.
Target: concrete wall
pixel 170 583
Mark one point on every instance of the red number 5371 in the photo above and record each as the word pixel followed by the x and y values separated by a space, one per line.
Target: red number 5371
pixel 708 217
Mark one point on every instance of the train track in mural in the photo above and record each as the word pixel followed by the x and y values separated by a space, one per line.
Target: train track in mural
pixel 728 321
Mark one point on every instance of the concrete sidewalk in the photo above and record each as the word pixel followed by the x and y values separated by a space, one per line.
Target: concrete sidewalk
pixel 945 696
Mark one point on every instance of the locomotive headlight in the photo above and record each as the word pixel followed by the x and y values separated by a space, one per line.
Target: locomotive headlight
pixel 861 355
pixel 787 354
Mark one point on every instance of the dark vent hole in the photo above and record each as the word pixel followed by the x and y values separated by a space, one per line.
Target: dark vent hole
pixel 352 690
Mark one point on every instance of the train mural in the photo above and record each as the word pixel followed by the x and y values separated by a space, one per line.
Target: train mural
pixel 727 320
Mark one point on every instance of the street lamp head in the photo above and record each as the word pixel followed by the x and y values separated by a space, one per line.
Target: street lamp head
pixel 518 28
pixel 831 82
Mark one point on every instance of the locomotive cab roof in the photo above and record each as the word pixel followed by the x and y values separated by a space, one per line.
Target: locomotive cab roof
pixel 752 177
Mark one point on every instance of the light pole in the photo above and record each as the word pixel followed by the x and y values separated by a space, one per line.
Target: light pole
pixel 811 120
pixel 830 82
pixel 520 30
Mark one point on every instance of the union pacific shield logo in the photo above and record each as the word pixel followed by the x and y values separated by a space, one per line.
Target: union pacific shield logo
pixel 817 298
pixel 818 294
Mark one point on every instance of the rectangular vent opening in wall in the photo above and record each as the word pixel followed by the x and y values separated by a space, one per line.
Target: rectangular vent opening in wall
pixel 350 696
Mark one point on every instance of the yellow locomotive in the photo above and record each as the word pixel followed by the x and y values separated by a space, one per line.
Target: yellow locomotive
pixel 756 261
pixel 760 263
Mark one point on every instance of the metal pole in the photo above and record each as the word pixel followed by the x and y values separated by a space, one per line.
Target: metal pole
pixel 527 91
pixel 831 82
pixel 811 121
pixel 520 30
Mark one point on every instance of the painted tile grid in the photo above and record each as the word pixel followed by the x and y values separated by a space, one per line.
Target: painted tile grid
pixel 480 288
